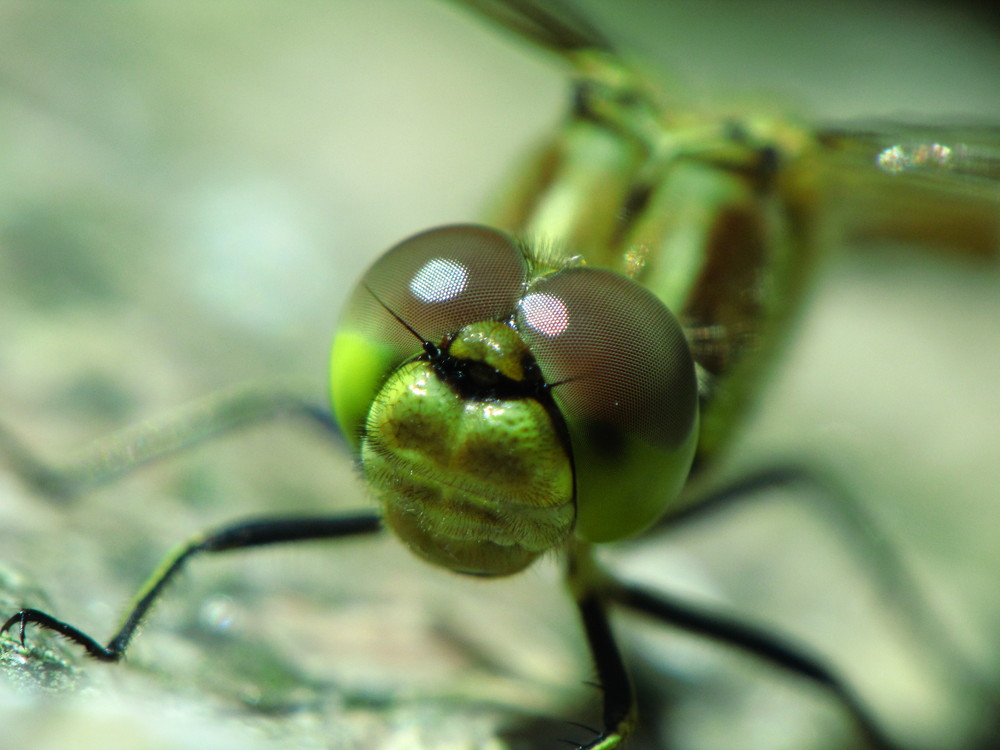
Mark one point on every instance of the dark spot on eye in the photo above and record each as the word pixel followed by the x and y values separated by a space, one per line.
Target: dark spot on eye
pixel 607 441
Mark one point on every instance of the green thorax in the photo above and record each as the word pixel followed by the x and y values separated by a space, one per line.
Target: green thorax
pixel 715 215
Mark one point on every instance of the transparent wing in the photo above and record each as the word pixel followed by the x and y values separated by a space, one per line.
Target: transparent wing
pixel 957 158
pixel 930 186
pixel 555 26
pixel 937 186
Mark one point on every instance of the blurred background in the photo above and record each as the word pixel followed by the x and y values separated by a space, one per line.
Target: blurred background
pixel 188 192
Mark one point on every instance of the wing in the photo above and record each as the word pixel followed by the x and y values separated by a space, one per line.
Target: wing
pixel 553 25
pixel 935 186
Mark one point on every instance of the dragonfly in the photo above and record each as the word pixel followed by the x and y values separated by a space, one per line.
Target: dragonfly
pixel 724 147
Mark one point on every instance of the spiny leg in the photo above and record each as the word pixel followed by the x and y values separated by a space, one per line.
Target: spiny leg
pixel 755 641
pixel 858 530
pixel 586 582
pixel 256 532
pixel 123 452
pixel 872 547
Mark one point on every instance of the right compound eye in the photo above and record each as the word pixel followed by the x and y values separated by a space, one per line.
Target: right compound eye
pixel 438 282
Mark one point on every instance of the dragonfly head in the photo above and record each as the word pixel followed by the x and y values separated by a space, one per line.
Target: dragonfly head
pixel 498 407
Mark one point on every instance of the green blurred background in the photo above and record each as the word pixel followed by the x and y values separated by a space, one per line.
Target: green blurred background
pixel 187 191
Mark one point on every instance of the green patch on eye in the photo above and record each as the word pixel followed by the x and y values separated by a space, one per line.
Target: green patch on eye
pixel 358 366
pixel 626 486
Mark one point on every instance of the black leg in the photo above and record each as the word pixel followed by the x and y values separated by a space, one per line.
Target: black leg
pixel 755 641
pixel 241 535
pixel 832 500
pixel 586 584
pixel 874 550
pixel 125 451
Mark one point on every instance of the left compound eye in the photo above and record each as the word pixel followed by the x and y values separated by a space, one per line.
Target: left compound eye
pixel 437 281
pixel 617 352
pixel 624 380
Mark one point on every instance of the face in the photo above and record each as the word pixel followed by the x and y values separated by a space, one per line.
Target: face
pixel 197 192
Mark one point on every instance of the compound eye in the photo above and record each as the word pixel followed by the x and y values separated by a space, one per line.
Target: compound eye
pixel 617 354
pixel 437 281
pixel 624 380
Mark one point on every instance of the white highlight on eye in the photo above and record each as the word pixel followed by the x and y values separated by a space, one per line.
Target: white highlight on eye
pixel 439 280
pixel 545 313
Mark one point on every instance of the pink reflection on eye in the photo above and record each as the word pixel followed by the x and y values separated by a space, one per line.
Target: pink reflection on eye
pixel 545 313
